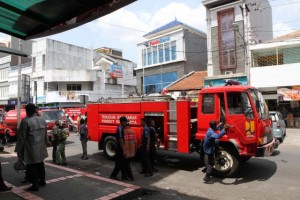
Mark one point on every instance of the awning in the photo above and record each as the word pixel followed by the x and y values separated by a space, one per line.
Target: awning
pixel 29 19
pixel 12 51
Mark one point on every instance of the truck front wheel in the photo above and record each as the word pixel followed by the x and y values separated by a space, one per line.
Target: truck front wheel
pixel 226 163
pixel 109 147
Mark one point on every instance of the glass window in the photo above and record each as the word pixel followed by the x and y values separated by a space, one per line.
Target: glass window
pixel 73 87
pixel 144 58
pixel 173 48
pixel 149 51
pixel 156 82
pixel 44 62
pixel 161 53
pixel 226 39
pixel 208 104
pixel 155 55
pixel 167 52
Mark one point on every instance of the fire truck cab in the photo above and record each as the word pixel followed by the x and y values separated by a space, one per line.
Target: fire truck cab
pixel 182 124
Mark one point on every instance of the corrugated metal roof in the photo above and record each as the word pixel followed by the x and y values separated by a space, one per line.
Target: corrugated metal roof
pixel 192 81
pixel 171 25
pixel 290 36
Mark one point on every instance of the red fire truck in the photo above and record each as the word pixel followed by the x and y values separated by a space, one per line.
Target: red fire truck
pixel 182 124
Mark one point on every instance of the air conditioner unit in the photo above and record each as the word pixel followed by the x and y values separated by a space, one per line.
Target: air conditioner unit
pixel 228 72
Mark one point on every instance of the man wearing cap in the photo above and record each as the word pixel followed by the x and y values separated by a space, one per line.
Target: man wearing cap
pixel 120 159
pixel 32 141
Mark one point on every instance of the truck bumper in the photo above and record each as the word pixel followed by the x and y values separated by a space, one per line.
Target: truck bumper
pixel 266 150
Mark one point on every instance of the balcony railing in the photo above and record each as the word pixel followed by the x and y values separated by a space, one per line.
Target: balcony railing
pixel 276 56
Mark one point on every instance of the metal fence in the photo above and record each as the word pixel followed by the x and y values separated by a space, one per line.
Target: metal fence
pixel 276 56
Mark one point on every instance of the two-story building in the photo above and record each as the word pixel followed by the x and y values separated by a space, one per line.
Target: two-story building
pixel 167 54
pixel 275 71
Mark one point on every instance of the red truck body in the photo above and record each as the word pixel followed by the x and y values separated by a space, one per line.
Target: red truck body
pixel 182 124
pixel 10 121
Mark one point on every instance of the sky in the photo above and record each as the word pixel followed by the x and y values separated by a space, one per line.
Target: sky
pixel 124 28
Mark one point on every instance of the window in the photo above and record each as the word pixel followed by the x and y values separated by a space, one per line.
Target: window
pixel 144 57
pixel 239 103
pixel 208 104
pixel 173 49
pixel 167 52
pixel 73 87
pixel 44 62
pixel 155 83
pixel 226 39
pixel 149 52
pixel 33 64
pixel 155 55
pixel 161 53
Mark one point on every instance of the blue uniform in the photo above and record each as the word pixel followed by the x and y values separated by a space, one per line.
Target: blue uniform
pixel 209 140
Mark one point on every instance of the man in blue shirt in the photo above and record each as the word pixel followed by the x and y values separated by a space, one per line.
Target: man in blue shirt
pixel 145 150
pixel 208 147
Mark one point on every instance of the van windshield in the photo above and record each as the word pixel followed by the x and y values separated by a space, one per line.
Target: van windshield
pixel 52 116
pixel 260 104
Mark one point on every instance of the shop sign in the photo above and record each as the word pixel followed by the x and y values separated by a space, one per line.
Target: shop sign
pixel 158 41
pixel 220 82
pixel 116 71
pixel 287 94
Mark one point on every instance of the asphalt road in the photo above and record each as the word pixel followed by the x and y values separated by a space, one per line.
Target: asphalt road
pixel 180 177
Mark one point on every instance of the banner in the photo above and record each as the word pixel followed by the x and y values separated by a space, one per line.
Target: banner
pixel 286 94
pixel 116 71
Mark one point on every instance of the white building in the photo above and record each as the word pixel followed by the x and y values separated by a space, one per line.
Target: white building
pixel 275 70
pixel 64 75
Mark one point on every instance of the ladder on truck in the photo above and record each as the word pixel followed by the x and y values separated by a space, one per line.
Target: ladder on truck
pixel 135 99
pixel 172 123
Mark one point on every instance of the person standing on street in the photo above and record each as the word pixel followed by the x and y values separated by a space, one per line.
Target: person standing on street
pixel 129 147
pixel 32 141
pixel 60 153
pixel 54 140
pixel 83 135
pixel 119 159
pixel 3 187
pixel 208 147
pixel 153 142
pixel 145 150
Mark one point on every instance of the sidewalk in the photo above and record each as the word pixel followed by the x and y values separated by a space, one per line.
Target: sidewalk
pixel 63 183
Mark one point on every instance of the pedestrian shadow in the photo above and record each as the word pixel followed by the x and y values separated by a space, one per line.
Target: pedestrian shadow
pixel 275 153
pixel 255 169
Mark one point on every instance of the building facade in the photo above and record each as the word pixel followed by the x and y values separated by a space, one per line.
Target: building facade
pixel 275 71
pixel 65 75
pixel 6 61
pixel 232 26
pixel 168 53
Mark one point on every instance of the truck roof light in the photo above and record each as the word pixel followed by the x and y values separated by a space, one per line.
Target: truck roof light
pixel 231 82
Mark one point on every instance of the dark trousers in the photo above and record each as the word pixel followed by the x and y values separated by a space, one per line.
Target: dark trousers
pixel 54 149
pixel 2 184
pixel 145 158
pixel 35 172
pixel 210 164
pixel 120 164
pixel 127 167
pixel 152 156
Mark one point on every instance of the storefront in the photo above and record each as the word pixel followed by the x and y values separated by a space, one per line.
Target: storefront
pixel 289 97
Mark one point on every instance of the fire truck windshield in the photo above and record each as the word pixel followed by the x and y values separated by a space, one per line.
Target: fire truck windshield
pixel 260 105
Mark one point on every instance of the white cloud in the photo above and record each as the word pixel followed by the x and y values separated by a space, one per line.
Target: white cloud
pixel 139 23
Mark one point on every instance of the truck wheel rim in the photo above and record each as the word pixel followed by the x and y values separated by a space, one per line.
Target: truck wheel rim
pixel 110 148
pixel 223 162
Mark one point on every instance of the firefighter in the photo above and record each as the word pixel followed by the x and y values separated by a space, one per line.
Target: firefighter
pixel 54 140
pixel 119 159
pixel 83 136
pixel 208 147
pixel 153 142
pixel 145 150
pixel 60 153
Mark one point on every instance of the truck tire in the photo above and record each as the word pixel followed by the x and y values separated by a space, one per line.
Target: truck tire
pixel 109 147
pixel 226 163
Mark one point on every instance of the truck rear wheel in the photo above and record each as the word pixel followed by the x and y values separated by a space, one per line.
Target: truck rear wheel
pixel 226 163
pixel 109 147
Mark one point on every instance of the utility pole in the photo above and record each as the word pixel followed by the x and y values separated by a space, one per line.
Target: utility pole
pixel 245 10
pixel 19 87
